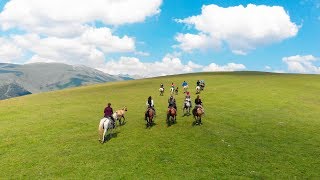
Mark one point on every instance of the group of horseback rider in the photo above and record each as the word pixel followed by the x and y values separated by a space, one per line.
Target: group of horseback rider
pixel 172 100
pixel 108 111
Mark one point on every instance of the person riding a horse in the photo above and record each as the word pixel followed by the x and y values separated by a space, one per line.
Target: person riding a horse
pixel 161 86
pixel 108 111
pixel 150 105
pixel 198 83
pixel 188 98
pixel 198 103
pixel 172 102
pixel 184 84
pixel 172 85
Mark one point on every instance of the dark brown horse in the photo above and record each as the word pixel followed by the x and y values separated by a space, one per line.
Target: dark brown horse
pixel 171 116
pixel 150 116
pixel 197 113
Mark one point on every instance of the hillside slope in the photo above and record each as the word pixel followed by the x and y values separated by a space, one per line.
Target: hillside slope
pixel 41 77
pixel 257 125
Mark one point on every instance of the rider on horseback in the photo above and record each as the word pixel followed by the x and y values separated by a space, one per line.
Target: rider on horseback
pixel 184 84
pixel 172 85
pixel 188 98
pixel 149 105
pixel 161 86
pixel 108 111
pixel 172 102
pixel 198 103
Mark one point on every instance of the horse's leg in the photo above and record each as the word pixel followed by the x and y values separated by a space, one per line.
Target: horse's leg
pixel 104 134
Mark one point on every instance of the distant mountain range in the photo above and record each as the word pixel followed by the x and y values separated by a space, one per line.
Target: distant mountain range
pixel 18 80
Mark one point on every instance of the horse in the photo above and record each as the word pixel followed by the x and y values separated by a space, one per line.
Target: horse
pixel 119 114
pixel 161 90
pixel 185 88
pixel 171 116
pixel 187 106
pixel 197 113
pixel 202 84
pixel 171 90
pixel 176 91
pixel 198 89
pixel 104 125
pixel 150 114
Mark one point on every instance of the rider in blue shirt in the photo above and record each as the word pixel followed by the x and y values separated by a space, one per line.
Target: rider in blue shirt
pixel 184 84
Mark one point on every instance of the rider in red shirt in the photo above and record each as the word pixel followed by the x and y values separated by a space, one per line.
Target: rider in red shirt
pixel 108 111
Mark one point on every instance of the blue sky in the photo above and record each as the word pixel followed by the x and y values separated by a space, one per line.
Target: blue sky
pixel 176 36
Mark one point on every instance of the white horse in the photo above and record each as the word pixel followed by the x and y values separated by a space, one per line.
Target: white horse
pixel 187 105
pixel 171 90
pixel 104 125
pixel 185 88
pixel 161 91
pixel 198 89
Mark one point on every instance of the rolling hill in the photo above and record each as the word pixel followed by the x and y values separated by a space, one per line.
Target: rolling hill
pixel 17 80
pixel 257 125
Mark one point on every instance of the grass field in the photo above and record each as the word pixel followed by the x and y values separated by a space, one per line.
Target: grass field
pixel 257 125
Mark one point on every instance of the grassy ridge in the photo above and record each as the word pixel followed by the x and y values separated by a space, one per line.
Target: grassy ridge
pixel 257 125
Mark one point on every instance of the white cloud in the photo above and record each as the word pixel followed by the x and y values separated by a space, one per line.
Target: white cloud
pixel 242 28
pixel 89 48
pixel 302 64
pixel 228 67
pixel 60 17
pixel 133 66
pixel 65 31
pixel 141 53
pixel 188 42
pixel 267 67
pixel 103 38
pixel 9 52
pixel 167 66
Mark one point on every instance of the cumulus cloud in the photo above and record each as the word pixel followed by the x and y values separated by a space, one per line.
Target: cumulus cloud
pixel 302 64
pixel 9 52
pixel 228 67
pixel 133 66
pixel 60 17
pixel 267 67
pixel 241 28
pixel 89 48
pixel 189 42
pixel 65 31
pixel 167 66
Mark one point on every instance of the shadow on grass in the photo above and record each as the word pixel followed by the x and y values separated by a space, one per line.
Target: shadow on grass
pixel 111 136
pixel 195 123
pixel 122 123
pixel 151 125
pixel 186 114
pixel 171 122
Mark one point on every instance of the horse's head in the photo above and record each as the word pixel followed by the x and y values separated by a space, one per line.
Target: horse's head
pixel 125 108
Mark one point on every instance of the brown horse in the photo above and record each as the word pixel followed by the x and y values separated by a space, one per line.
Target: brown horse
pixel 120 114
pixel 197 113
pixel 150 114
pixel 171 116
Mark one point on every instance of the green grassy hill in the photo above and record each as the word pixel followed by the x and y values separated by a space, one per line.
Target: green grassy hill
pixel 257 125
